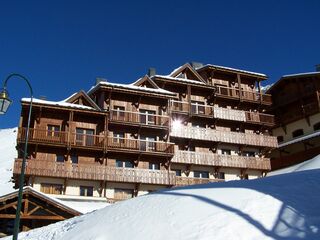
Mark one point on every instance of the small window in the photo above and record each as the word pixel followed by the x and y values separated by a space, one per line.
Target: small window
pixel 177 171
pixel 74 159
pixel 154 166
pixel 59 158
pixel 226 151
pixel 147 116
pixel 201 174
pixel 124 164
pixel 53 130
pixel 316 127
pixel 51 188
pixel 118 137
pixel 86 191
pixel 118 113
pixel 297 133
pixel 221 175
pixel 280 139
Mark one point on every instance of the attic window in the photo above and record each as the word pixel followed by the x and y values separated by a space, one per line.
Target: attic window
pixel 297 133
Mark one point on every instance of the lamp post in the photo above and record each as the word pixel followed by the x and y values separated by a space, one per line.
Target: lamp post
pixel 4 105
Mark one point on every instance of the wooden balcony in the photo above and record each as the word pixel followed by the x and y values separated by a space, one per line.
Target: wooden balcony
pixel 137 118
pixel 251 96
pixel 138 145
pixel 223 113
pixel 44 168
pixel 97 142
pixel 184 181
pixel 212 159
pixel 224 136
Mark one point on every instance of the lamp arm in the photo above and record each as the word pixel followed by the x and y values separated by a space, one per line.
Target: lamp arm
pixel 20 76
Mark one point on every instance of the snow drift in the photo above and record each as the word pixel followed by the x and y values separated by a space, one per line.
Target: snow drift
pixel 279 207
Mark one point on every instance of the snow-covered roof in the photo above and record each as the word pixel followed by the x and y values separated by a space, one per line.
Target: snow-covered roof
pixel 300 74
pixel 234 70
pixel 57 103
pixel 180 79
pixel 132 87
pixel 299 139
pixel 264 89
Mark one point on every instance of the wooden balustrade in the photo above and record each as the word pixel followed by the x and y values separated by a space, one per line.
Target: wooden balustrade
pixel 224 136
pixel 138 118
pixel 256 117
pixel 140 145
pixel 229 114
pixel 179 106
pixel 95 141
pixel 44 168
pixel 245 95
pixel 184 181
pixel 212 159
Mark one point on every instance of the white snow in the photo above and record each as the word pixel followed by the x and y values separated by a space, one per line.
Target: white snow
pixel 58 103
pixel 84 206
pixel 300 74
pixel 132 87
pixel 233 69
pixel 264 89
pixel 8 152
pixel 299 139
pixel 180 79
pixel 279 207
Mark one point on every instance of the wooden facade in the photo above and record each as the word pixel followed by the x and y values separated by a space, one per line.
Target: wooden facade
pixel 193 126
pixel 296 105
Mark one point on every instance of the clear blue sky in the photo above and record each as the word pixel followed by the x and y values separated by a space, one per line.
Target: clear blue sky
pixel 62 46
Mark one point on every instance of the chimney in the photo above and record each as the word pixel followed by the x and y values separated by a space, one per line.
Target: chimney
pixel 318 67
pixel 98 80
pixel 151 72
pixel 196 65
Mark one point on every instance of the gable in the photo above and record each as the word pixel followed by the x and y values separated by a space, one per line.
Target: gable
pixel 146 82
pixel 81 98
pixel 187 72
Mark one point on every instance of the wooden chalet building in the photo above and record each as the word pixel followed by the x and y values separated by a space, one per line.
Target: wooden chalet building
pixel 199 124
pixel 296 105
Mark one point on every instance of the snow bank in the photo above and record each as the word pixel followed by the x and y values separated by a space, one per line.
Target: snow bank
pixel 278 207
pixel 8 154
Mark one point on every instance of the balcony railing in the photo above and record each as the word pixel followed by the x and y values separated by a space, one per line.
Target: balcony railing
pixel 223 113
pixel 211 159
pixel 224 136
pixel 95 141
pixel 139 145
pixel 184 181
pixel 145 119
pixel 44 168
pixel 245 95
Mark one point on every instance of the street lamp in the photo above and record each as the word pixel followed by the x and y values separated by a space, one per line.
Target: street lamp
pixel 4 105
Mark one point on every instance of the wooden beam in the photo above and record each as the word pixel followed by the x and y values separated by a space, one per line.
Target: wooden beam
pixel 239 86
pixel 13 216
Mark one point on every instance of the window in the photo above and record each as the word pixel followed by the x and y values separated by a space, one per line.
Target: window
pixel 122 194
pixel 118 113
pixel 154 166
pixel 226 151
pixel 118 137
pixel 178 172
pixel 84 137
pixel 198 108
pixel 201 174
pixel 316 127
pixel 147 116
pixel 147 144
pixel 248 154
pixel 74 159
pixel 221 175
pixel 86 191
pixel 124 164
pixel 280 139
pixel 59 158
pixel 53 130
pixel 51 188
pixel 297 133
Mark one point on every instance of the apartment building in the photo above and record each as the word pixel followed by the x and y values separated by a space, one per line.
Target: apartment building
pixel 199 124
pixel 296 105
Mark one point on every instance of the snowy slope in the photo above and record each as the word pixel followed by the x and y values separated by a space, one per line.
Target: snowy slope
pixel 280 207
pixel 7 155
